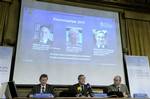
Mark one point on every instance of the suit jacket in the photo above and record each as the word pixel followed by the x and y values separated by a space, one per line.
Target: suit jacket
pixel 37 89
pixel 85 91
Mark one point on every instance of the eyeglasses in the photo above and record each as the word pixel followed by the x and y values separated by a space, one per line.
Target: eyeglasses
pixel 117 80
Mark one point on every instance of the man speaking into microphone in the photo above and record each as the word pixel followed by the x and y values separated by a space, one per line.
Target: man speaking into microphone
pixel 81 89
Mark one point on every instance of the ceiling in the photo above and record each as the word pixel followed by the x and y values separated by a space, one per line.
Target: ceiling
pixel 138 5
pixel 146 2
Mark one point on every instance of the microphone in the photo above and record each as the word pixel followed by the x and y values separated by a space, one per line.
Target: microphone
pixel 88 85
pixel 89 88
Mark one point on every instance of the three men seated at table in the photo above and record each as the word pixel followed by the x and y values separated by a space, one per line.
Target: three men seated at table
pixel 81 89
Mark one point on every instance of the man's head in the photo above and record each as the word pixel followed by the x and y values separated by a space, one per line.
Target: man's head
pixel 117 80
pixel 43 79
pixel 81 79
pixel 100 37
pixel 45 34
pixel 73 36
pixel 44 30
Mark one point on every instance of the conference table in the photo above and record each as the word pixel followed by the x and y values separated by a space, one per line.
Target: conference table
pixel 76 98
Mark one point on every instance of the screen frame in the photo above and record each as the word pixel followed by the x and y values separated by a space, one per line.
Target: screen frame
pixel 75 4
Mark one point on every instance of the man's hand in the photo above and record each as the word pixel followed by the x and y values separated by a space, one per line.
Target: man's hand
pixel 125 95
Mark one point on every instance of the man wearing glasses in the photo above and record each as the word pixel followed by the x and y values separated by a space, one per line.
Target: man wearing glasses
pixel 118 87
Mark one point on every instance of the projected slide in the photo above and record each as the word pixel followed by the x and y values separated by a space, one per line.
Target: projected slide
pixel 65 41
pixel 63 36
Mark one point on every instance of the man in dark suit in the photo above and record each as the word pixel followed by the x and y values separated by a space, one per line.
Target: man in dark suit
pixel 81 89
pixel 43 87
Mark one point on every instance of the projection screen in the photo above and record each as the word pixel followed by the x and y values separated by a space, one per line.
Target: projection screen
pixel 64 41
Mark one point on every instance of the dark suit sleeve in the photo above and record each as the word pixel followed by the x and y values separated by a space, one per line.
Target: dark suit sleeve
pixel 88 91
pixel 51 90
pixel 33 90
pixel 91 92
pixel 73 90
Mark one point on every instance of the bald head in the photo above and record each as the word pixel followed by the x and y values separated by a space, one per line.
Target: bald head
pixel 117 80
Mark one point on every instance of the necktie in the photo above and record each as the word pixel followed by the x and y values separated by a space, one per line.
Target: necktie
pixel 82 87
pixel 43 89
pixel 118 89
